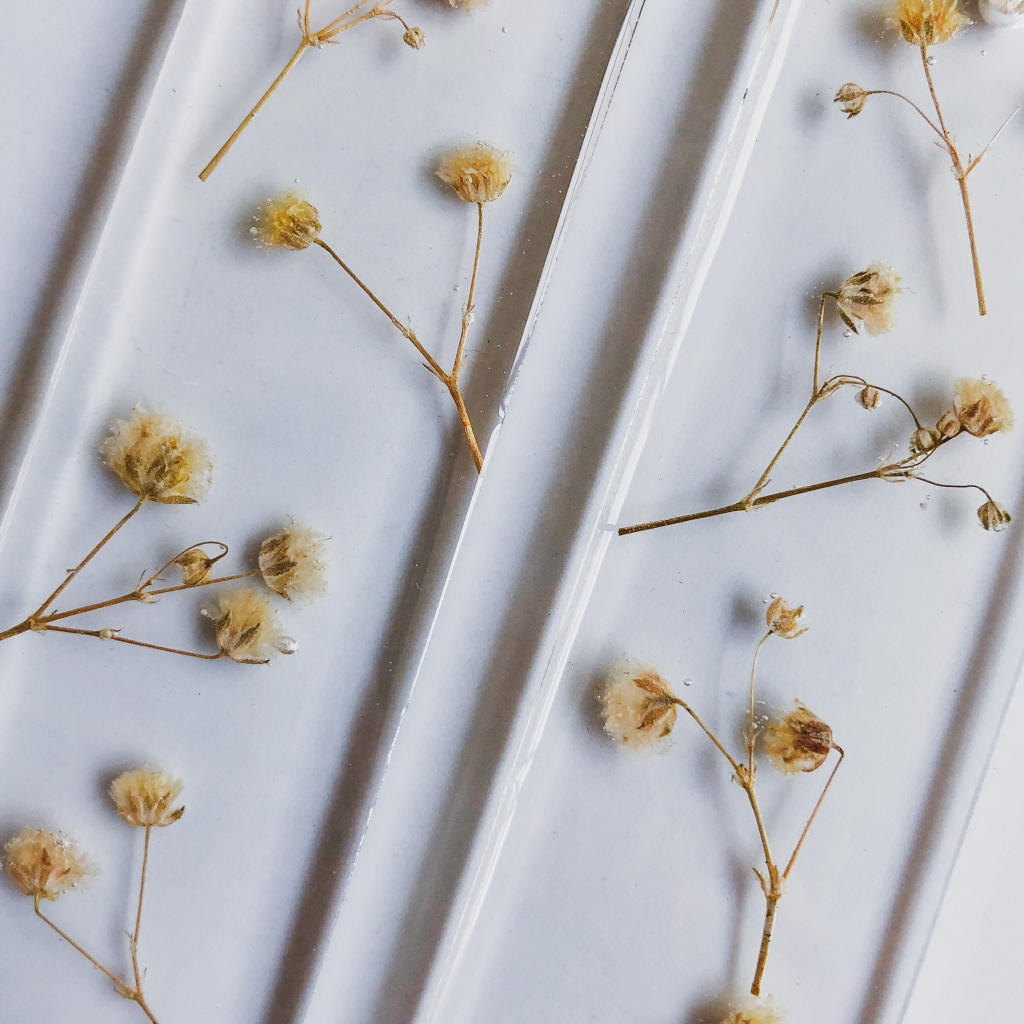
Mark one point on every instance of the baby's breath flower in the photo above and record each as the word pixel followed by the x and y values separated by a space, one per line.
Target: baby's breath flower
pixel 948 425
pixel 478 173
pixel 924 439
pixel 870 296
pixel 157 459
pixel 638 706
pixel 247 628
pixel 993 516
pixel 46 864
pixel 869 397
pixel 415 38
pixel 287 222
pixel 1001 13
pixel 754 1010
pixel 851 99
pixel 799 742
pixel 195 565
pixel 784 620
pixel 291 562
pixel 981 407
pixel 144 797
pixel 928 22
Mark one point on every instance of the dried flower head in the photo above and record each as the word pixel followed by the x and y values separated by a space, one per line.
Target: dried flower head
pixel 478 173
pixel 753 1010
pixel 144 797
pixel 157 459
pixel 924 439
pixel 1001 13
pixel 870 296
pixel 851 99
pixel 993 516
pixel 799 742
pixel 195 565
pixel 415 38
pixel 247 628
pixel 869 397
pixel 46 864
pixel 981 407
pixel 291 562
pixel 784 620
pixel 948 425
pixel 287 222
pixel 638 706
pixel 927 22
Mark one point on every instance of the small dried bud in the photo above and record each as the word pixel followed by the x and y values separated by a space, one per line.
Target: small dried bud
pixel 948 425
pixel 993 516
pixel 870 296
pixel 800 742
pixel 144 797
pixel 869 397
pixel 158 460
pixel 247 628
pixel 924 439
pixel 784 620
pixel 981 407
pixel 638 706
pixel 851 99
pixel 291 562
pixel 478 173
pixel 928 22
pixel 46 864
pixel 108 634
pixel 415 38
pixel 753 1010
pixel 196 566
pixel 287 222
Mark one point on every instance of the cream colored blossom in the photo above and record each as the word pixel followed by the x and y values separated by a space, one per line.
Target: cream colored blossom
pixel 928 22
pixel 144 797
pixel 981 407
pixel 851 99
pixel 291 562
pixel 247 629
pixel 784 620
pixel 638 706
pixel 755 1010
pixel 799 742
pixel 478 173
pixel 924 439
pixel 46 864
pixel 196 566
pixel 287 222
pixel 870 296
pixel 994 516
pixel 869 397
pixel 157 459
pixel 948 425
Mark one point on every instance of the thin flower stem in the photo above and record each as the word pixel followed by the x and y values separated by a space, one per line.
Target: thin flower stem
pixel 467 426
pixel 762 482
pixel 328 30
pixel 125 640
pixel 153 577
pixel 817 347
pixel 981 156
pixel 772 903
pixel 751 735
pixel 814 813
pixel 711 736
pixel 955 487
pixel 467 316
pixel 931 124
pixel 85 561
pixel 74 945
pixel 961 177
pixel 134 943
pixel 206 583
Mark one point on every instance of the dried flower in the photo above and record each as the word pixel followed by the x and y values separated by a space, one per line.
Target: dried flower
pixel 993 516
pixel 924 439
pixel 948 425
pixel 478 173
pixel 287 222
pixel 799 742
pixel 981 407
pixel 870 296
pixel 247 628
pixel 784 620
pixel 851 99
pixel 869 397
pixel 415 38
pixel 46 864
pixel 755 1011
pixel 1001 13
pixel 144 797
pixel 927 22
pixel 195 565
pixel 291 562
pixel 158 460
pixel 638 706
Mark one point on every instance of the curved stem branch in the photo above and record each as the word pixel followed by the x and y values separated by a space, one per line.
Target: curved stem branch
pixel 931 124
pixel 467 316
pixel 734 764
pixel 135 643
pixel 814 813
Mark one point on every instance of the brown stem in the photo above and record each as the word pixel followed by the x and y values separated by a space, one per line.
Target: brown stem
pixel 814 813
pixel 762 482
pixel 711 736
pixel 766 937
pixel 467 316
pixel 467 426
pixel 21 627
pixel 888 92
pixel 74 945
pixel 751 735
pixel 961 177
pixel 85 561
pixel 125 640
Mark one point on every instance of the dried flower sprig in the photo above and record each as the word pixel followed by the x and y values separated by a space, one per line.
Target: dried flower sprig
pixel 45 865
pixel 318 38
pixel 639 709
pixel 925 23
pixel 157 460
pixel 979 408
pixel 478 175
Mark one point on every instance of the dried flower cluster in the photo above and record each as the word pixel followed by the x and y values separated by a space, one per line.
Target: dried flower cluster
pixel 158 460
pixel 45 865
pixel 979 409
pixel 639 710
pixel 478 175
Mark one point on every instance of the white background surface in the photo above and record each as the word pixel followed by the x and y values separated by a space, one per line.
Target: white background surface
pixel 59 77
